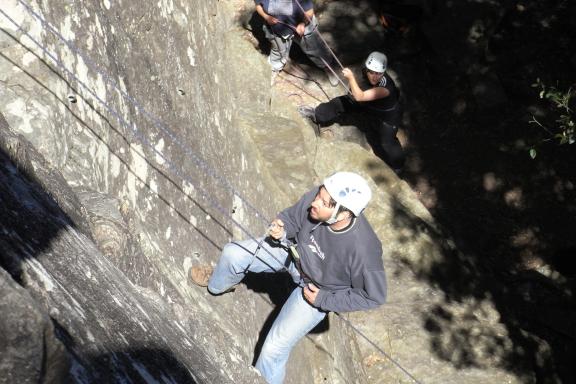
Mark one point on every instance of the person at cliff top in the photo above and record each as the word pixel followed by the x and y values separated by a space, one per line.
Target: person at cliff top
pixel 375 109
pixel 335 259
pixel 293 20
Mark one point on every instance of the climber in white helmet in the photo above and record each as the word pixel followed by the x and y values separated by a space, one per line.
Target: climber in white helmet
pixel 330 250
pixel 373 107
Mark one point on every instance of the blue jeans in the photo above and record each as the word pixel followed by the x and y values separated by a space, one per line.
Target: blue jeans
pixel 297 316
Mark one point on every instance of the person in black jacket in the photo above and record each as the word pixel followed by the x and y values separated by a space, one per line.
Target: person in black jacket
pixel 376 109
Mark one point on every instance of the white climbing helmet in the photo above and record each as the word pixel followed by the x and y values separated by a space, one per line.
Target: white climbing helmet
pixel 376 62
pixel 349 190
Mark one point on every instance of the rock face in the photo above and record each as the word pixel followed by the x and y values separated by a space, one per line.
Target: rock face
pixel 108 201
pixel 111 328
pixel 139 137
pixel 30 351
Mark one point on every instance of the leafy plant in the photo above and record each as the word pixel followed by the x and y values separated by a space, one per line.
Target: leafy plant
pixel 563 130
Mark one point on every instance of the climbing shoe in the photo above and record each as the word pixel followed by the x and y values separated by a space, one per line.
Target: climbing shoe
pixel 200 275
pixel 307 112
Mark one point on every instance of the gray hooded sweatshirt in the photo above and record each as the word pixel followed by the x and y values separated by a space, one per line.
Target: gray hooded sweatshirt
pixel 346 265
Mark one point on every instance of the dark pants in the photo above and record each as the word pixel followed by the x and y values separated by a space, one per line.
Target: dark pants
pixel 380 128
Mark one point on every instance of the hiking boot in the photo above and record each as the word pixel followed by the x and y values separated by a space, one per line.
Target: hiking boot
pixel 332 78
pixel 200 275
pixel 307 112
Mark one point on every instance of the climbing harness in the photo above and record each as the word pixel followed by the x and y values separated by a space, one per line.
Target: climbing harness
pixel 281 243
pixel 168 163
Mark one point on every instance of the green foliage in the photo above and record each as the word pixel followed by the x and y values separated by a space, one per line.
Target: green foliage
pixel 563 131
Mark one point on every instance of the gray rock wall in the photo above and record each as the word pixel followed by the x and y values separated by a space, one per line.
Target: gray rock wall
pixel 141 198
pixel 122 206
pixel 30 351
